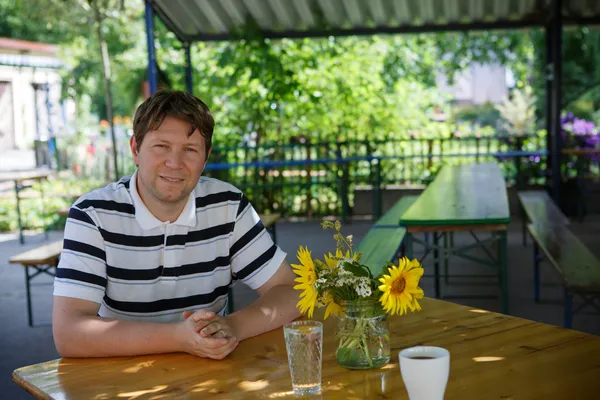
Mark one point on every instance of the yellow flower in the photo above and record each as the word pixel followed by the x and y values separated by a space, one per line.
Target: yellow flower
pixel 331 261
pixel 306 279
pixel 400 287
pixel 332 307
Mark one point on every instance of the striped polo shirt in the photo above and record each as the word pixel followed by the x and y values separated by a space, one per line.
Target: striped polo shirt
pixel 117 254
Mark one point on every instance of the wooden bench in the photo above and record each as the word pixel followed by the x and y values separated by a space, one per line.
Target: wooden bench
pixel 383 242
pixel 43 260
pixel 578 268
pixel 537 206
pixel 391 219
pixel 380 246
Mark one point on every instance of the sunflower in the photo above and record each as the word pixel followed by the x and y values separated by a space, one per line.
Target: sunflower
pixel 306 279
pixel 400 287
pixel 332 307
pixel 331 261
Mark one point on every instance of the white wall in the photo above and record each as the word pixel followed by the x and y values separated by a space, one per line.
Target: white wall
pixel 477 85
pixel 24 104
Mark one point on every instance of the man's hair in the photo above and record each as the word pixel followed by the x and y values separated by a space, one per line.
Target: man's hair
pixel 182 105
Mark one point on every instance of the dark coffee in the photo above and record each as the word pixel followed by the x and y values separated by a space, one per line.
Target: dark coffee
pixel 422 358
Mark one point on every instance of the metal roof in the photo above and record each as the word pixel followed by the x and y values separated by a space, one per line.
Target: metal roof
pixel 205 20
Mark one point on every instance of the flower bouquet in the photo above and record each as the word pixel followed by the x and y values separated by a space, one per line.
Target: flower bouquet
pixel 360 296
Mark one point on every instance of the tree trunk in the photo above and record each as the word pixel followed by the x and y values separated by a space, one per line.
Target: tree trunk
pixel 107 84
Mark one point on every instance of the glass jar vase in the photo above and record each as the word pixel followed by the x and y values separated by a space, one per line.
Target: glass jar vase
pixel 362 335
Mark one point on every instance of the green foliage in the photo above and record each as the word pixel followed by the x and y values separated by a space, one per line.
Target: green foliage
pixel 37 212
pixel 481 114
pixel 518 112
pixel 580 73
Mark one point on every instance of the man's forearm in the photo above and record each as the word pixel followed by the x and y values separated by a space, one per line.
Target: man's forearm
pixel 272 310
pixel 99 337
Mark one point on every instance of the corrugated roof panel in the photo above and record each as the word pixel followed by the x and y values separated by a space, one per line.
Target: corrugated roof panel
pixel 216 19
pixel 215 15
pixel 284 12
pixel 306 16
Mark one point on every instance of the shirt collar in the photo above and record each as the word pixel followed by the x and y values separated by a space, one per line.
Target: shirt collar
pixel 148 221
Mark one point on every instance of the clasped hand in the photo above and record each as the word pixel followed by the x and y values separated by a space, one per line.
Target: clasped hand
pixel 205 334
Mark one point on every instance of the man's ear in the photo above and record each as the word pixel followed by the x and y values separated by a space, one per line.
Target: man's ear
pixel 134 150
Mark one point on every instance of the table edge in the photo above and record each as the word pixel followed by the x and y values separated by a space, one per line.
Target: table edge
pixel 28 387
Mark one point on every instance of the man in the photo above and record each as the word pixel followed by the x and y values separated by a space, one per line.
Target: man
pixel 148 261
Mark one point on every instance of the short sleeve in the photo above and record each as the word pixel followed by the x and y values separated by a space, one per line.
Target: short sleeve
pixel 81 271
pixel 254 256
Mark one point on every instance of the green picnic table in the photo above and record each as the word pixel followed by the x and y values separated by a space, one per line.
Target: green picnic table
pixel 463 198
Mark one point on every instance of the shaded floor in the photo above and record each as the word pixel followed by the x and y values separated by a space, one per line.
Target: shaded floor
pixel 21 345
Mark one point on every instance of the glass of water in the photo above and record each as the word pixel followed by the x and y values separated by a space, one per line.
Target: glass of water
pixel 304 344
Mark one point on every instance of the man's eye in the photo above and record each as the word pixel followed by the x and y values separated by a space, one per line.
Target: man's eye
pixel 190 149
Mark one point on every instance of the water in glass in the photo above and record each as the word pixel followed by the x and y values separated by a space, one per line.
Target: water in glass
pixel 304 343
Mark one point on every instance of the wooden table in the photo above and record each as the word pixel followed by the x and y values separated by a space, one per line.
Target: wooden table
pixel 462 198
pixel 493 356
pixel 18 177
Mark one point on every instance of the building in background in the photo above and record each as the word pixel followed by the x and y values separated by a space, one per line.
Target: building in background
pixel 31 112
pixel 478 84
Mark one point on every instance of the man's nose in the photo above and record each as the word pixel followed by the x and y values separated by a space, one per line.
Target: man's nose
pixel 174 159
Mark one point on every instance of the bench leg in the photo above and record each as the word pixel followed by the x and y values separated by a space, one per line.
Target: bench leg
pixel 436 264
pixel 536 272
pixel 19 222
pixel 28 294
pixel 568 323
pixel 503 257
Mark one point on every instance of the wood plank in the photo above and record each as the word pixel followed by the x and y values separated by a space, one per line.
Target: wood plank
pixel 493 356
pixel 581 152
pixel 392 217
pixel 456 228
pixel 470 194
pixel 539 206
pixel 39 173
pixel 575 263
pixel 269 220
pixel 44 255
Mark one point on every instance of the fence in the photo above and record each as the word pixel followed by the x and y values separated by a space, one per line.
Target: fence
pixel 315 178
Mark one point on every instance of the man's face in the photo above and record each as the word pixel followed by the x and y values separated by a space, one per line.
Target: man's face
pixel 169 163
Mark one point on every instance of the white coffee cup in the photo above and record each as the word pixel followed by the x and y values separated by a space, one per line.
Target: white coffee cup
pixel 425 371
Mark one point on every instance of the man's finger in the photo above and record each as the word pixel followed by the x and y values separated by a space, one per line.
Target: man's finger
pixel 221 352
pixel 209 344
pixel 187 314
pixel 202 315
pixel 210 329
